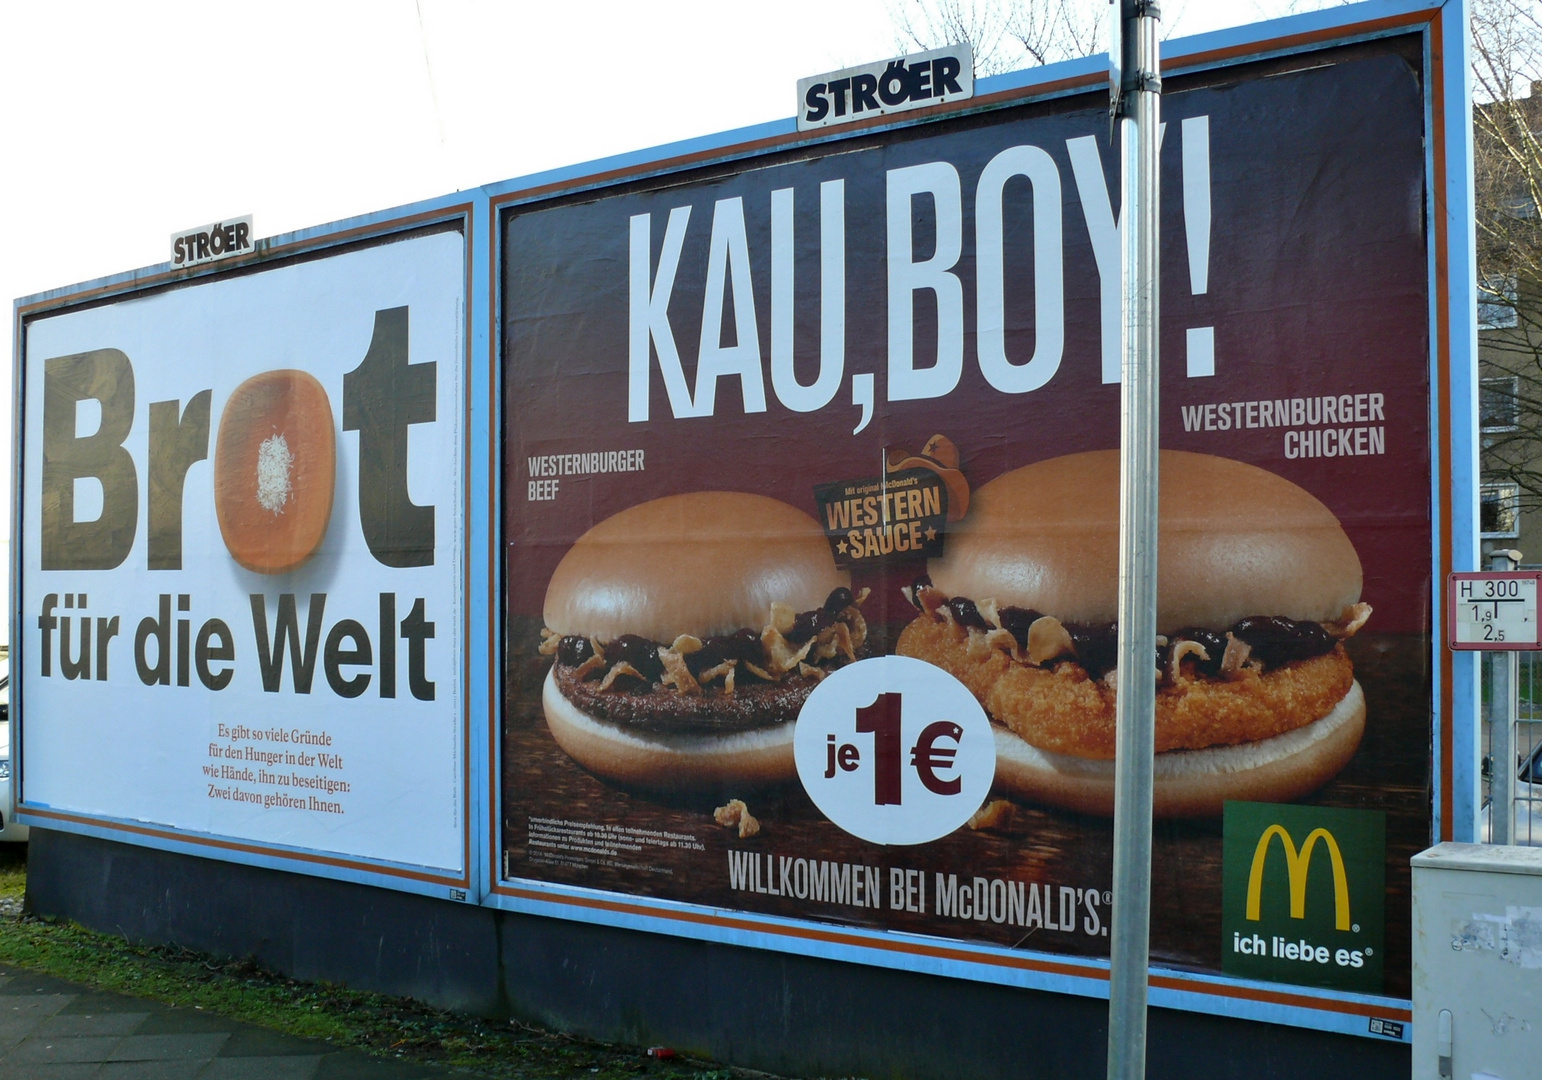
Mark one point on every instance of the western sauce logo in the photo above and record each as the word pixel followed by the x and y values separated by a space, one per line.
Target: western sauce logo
pixel 897 517
pixel 1303 891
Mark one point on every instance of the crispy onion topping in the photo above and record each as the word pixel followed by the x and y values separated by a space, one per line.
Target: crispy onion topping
pixel 1180 651
pixel 676 674
pixel 616 671
pixel 1350 621
pixel 1236 655
pixel 1254 643
pixel 1048 639
pixel 593 664
pixel 792 644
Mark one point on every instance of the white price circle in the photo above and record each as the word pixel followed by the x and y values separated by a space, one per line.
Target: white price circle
pixel 894 750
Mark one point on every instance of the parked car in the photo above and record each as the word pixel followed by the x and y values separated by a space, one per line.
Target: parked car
pixel 1528 802
pixel 9 829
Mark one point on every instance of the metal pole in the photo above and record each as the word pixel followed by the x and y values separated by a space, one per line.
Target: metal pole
pixel 1139 115
pixel 1503 708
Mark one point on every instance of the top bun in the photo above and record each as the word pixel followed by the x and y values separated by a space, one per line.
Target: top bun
pixel 709 562
pixel 1235 541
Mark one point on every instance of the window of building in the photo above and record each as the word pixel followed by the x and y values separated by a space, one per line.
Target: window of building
pixel 1499 511
pixel 1496 302
pixel 1499 407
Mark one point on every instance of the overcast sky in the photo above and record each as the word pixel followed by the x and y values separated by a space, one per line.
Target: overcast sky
pixel 122 122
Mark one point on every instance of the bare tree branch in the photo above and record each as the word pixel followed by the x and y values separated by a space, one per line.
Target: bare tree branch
pixel 1507 161
pixel 1050 32
pixel 1004 36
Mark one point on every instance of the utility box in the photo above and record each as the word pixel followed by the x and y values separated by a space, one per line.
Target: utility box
pixel 1477 962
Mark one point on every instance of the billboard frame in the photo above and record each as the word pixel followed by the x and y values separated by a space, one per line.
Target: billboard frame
pixel 462 213
pixel 1454 479
pixel 478 213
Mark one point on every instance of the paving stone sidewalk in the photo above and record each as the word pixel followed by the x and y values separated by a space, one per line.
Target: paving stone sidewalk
pixel 55 1030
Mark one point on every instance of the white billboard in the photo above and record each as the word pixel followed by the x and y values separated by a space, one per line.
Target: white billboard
pixel 241 601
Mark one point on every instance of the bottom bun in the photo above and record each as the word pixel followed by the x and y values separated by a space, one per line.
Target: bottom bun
pixel 755 758
pixel 1192 783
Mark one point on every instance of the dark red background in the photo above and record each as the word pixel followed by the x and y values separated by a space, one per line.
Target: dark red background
pixel 1318 284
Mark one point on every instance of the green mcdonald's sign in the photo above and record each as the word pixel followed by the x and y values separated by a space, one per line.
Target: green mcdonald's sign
pixel 1302 894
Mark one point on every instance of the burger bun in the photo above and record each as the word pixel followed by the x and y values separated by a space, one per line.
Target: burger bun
pixel 702 563
pixel 1235 540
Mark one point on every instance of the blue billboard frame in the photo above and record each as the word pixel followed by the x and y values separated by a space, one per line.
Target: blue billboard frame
pixel 1453 375
pixel 1454 423
pixel 464 212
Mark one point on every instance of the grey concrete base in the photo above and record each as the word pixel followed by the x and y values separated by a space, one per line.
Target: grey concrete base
pixel 56 1030
pixel 787 1014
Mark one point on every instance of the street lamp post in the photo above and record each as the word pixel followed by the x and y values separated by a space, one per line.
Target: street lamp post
pixel 1137 115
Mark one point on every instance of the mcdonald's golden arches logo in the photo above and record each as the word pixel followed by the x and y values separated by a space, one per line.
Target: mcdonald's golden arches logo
pixel 1303 894
pixel 1298 865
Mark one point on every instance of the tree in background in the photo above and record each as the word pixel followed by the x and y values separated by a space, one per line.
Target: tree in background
pixel 1507 157
pixel 1005 36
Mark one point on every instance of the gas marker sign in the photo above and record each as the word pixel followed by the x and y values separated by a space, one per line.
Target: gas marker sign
pixel 1493 610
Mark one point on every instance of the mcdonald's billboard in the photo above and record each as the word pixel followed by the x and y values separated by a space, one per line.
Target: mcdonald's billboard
pixel 721 541
pixel 1303 892
pixel 782 422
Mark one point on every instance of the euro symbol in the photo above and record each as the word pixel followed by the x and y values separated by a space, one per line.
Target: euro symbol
pixel 927 757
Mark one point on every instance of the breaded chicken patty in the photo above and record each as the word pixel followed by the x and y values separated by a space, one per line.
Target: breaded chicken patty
pixel 1061 709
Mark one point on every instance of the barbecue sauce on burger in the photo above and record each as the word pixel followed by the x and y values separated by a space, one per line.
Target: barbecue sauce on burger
pixel 1273 639
pixel 649 699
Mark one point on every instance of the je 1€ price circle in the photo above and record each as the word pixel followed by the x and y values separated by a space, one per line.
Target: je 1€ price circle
pixel 894 750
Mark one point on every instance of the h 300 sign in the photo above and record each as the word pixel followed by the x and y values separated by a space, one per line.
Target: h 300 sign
pixel 1493 610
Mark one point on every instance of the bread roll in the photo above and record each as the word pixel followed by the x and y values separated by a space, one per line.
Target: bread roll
pixel 275 468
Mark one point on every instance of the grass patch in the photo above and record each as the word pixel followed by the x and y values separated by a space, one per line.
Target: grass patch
pixel 242 990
